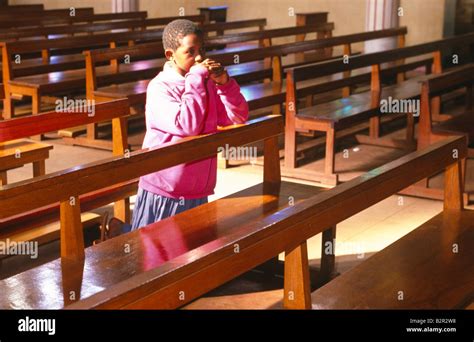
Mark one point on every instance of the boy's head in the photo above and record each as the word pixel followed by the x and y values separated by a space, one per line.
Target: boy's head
pixel 182 41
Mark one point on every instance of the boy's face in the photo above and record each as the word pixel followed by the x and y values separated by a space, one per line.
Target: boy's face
pixel 186 54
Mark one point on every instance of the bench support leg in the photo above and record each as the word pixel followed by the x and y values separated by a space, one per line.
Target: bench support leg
pixel 271 161
pixel 297 289
pixel 36 109
pixel 410 128
pixel 453 187
pixel 92 131
pixel 72 274
pixel 374 127
pixel 222 162
pixel 39 168
pixel 329 163
pixel 3 177
pixel 72 238
pixel 122 210
pixel 328 260
pixel 8 108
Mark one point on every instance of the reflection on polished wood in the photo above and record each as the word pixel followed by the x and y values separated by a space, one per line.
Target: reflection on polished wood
pixel 181 239
pixel 169 263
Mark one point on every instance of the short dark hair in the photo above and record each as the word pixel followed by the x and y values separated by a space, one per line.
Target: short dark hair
pixel 177 30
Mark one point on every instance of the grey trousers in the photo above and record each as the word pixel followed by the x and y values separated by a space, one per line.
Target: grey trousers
pixel 151 208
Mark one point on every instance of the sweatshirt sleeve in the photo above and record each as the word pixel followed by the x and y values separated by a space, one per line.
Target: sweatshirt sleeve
pixel 232 108
pixel 180 117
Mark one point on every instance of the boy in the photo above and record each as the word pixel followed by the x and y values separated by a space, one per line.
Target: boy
pixel 191 96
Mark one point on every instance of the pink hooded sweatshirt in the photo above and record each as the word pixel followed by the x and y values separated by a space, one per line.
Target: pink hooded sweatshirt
pixel 178 107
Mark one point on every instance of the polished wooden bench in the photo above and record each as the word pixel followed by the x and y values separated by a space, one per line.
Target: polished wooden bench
pixel 462 123
pixel 52 83
pixel 16 153
pixel 48 48
pixel 335 115
pixel 21 8
pixel 133 24
pixel 179 259
pixel 68 19
pixel 104 23
pixel 48 66
pixel 122 84
pixel 33 16
pixel 39 223
pixel 265 36
pixel 250 68
pixel 429 268
pixel 207 231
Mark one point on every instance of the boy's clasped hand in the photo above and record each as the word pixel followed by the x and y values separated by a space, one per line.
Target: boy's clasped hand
pixel 217 72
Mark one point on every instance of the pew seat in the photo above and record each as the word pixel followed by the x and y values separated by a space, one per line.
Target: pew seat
pixel 178 235
pixel 51 231
pixel 424 265
pixel 62 81
pixel 134 91
pixel 42 225
pixel 463 123
pixel 357 107
pixel 16 153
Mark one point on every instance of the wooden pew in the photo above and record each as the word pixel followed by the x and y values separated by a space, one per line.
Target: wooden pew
pixel 49 55
pixel 332 116
pixel 48 64
pixel 71 81
pixel 136 91
pixel 200 256
pixel 167 155
pixel 430 132
pixel 429 268
pixel 220 28
pixel 35 15
pixel 21 8
pixel 261 201
pixel 39 223
pixel 265 36
pixel 92 28
pixel 67 19
pixel 17 153
pixel 48 48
